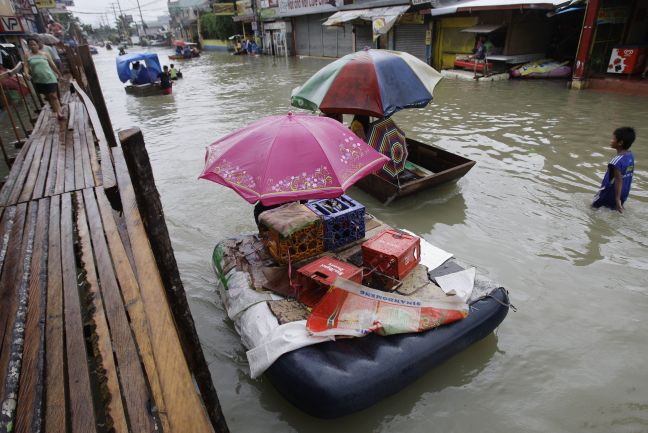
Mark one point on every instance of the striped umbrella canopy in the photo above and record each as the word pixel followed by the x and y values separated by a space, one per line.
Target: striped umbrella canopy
pixel 372 82
pixel 389 139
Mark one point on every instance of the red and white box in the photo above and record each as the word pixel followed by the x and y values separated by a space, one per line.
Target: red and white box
pixel 314 279
pixel 627 60
pixel 392 253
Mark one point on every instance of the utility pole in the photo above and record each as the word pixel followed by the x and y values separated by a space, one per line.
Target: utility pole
pixel 123 21
pixel 117 21
pixel 141 17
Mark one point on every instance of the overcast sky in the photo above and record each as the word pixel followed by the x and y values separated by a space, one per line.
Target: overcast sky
pixel 97 11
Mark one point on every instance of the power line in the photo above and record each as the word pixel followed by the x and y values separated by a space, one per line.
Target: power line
pixel 125 9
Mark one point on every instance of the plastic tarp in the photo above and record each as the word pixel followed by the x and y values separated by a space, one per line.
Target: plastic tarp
pixel 484 5
pixel 150 60
pixel 382 19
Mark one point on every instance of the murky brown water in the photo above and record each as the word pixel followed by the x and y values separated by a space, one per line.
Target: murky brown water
pixel 571 359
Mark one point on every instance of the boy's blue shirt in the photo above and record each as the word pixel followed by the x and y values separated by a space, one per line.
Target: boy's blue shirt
pixel 606 194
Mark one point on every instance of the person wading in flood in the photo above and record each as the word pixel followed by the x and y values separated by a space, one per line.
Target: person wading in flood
pixel 44 74
pixel 618 177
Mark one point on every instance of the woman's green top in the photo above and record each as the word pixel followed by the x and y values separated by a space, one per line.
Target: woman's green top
pixel 41 72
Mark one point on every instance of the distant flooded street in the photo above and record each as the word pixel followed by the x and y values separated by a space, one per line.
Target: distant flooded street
pixel 571 359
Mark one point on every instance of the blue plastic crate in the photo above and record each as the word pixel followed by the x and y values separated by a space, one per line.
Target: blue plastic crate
pixel 343 220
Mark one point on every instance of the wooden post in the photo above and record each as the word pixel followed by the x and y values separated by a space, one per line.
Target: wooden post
pixel 32 119
pixel 148 201
pixel 585 42
pixel 19 142
pixel 95 93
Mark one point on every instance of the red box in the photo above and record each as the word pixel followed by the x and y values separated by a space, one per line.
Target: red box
pixel 627 60
pixel 392 253
pixel 314 279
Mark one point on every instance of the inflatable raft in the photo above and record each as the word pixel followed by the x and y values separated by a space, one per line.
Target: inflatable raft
pixel 335 378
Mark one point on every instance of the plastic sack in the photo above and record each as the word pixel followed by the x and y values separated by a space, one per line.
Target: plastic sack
pixel 354 310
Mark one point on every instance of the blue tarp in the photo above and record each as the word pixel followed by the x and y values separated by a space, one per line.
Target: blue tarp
pixel 149 59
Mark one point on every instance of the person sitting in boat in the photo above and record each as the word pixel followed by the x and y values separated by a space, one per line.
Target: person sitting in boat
pixel 173 72
pixel 194 52
pixel 142 75
pixel 165 80
pixel 178 50
pixel 134 70
pixel 186 53
pixel 360 125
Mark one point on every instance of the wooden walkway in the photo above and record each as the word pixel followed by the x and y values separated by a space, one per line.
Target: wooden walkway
pixel 88 341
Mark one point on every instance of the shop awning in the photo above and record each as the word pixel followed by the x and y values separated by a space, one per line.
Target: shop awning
pixel 382 19
pixel 483 28
pixel 489 5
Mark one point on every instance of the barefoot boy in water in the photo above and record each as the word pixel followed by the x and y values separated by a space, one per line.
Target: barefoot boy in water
pixel 618 178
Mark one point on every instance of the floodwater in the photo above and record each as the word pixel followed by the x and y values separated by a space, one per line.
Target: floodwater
pixel 571 359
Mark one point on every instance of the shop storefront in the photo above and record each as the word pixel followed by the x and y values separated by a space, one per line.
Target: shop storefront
pixel 409 35
pixel 613 47
pixel 518 34
pixel 277 38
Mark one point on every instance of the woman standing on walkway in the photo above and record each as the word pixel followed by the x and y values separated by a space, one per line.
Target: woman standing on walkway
pixel 44 74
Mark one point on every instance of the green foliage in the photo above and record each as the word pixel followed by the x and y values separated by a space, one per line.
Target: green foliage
pixel 217 26
pixel 217 261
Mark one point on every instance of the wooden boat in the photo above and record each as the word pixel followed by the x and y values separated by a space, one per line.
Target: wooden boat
pixel 144 89
pixel 181 57
pixel 433 166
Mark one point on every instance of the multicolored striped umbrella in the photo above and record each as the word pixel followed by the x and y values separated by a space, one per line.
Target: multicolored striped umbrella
pixel 372 82
pixel 389 139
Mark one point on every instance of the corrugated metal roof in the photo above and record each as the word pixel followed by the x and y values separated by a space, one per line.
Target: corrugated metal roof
pixel 477 5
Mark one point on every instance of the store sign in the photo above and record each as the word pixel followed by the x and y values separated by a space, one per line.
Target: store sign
pixel 302 7
pixel 45 4
pixel 11 25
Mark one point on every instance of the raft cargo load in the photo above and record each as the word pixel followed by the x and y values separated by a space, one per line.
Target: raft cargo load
pixel 152 63
pixel 296 347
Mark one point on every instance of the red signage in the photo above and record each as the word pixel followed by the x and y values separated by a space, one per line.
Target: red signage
pixel 11 25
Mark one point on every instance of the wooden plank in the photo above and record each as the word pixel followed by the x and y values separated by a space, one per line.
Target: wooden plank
pixel 88 177
pixel 59 187
pixel 105 351
pixel 71 115
pixel 79 180
pixel 51 170
pixel 16 168
pixel 39 186
pixel 132 299
pixel 56 395
pixel 92 149
pixel 30 180
pixel 107 171
pixel 82 418
pixel 22 175
pixel 11 270
pixel 14 335
pixel 185 410
pixel 69 161
pixel 134 390
pixel 30 396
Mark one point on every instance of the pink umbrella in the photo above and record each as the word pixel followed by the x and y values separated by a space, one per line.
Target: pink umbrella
pixel 286 158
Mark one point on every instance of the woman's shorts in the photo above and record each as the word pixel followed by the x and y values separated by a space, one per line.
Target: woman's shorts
pixel 46 88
